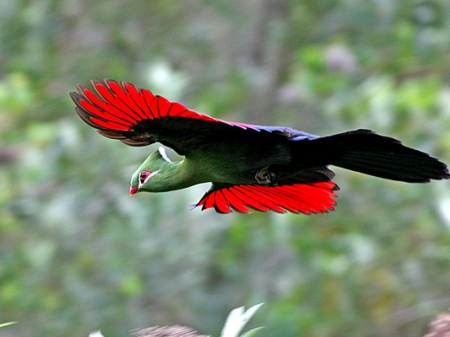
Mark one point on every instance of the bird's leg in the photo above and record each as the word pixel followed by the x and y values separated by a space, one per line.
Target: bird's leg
pixel 265 177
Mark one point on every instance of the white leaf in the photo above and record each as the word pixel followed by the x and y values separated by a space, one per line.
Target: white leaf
pixel 96 334
pixel 237 319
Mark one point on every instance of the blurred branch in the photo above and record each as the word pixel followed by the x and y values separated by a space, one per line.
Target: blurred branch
pixel 168 331
pixel 440 327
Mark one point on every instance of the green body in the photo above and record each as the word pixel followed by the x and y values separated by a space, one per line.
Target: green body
pixel 230 167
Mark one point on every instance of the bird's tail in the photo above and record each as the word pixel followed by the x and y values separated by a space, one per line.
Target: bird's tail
pixel 367 152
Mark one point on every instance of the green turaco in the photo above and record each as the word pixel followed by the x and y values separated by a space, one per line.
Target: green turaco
pixel 266 168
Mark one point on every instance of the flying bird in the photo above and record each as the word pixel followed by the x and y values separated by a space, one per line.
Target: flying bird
pixel 265 168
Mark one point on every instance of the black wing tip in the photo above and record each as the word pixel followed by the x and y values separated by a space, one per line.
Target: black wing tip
pixel 436 170
pixel 74 95
pixel 107 82
pixel 445 175
pixel 85 115
pixel 81 88
pixel 133 142
pixel 252 209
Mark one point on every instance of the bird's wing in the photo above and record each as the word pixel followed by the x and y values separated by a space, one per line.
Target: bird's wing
pixel 138 118
pixel 296 198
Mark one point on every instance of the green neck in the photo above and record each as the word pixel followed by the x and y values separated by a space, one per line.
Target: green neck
pixel 171 176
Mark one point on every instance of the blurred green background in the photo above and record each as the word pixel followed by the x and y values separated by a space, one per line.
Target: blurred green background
pixel 78 254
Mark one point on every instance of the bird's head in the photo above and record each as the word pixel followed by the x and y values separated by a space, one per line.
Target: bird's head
pixel 152 175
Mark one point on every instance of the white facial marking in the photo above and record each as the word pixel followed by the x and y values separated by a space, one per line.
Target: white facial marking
pixel 163 153
pixel 146 179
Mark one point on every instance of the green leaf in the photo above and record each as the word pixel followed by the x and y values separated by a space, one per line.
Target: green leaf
pixel 252 332
pixel 7 324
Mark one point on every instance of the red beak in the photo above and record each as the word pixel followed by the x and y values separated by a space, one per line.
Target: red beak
pixel 133 190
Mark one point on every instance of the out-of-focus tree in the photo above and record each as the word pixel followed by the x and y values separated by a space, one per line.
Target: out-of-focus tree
pixel 78 254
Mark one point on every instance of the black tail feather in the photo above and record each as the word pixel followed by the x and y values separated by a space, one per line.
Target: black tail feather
pixel 367 152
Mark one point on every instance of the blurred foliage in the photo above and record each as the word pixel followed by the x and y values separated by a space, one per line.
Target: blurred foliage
pixel 77 254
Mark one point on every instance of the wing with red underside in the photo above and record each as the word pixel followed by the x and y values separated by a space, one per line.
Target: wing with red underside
pixel 137 117
pixel 297 198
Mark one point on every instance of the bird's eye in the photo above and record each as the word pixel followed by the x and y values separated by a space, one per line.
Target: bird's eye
pixel 143 176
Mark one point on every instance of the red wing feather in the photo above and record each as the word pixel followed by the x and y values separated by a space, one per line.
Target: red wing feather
pixel 249 197
pixel 297 198
pixel 122 108
pixel 234 201
pixel 220 203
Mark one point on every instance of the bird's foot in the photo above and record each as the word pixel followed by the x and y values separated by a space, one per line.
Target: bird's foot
pixel 265 177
